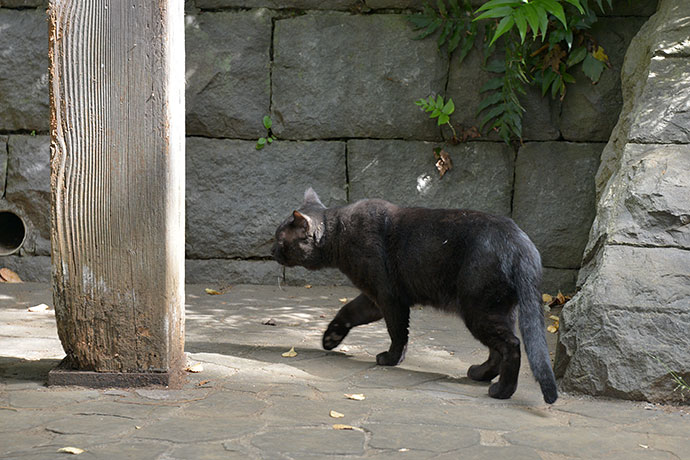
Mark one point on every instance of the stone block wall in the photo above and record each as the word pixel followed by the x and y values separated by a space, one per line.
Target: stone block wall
pixel 339 79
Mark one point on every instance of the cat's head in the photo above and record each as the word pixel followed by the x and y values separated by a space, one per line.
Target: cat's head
pixel 298 240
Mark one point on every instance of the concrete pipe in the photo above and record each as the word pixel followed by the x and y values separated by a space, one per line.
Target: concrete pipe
pixel 12 232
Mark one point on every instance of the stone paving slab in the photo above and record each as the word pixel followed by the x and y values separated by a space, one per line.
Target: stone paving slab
pixel 249 402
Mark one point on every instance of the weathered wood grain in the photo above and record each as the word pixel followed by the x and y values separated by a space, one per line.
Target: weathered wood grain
pixel 117 159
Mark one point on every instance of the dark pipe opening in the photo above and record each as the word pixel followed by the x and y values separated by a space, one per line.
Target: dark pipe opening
pixel 12 233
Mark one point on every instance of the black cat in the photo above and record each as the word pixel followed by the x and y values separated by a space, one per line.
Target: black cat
pixel 476 265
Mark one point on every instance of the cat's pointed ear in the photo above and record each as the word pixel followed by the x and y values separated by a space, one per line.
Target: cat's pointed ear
pixel 300 220
pixel 310 197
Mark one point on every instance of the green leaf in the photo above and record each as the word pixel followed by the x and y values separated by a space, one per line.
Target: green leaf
pixel 556 85
pixel 548 78
pixel 467 44
pixel 489 101
pixel 532 18
pixel 455 40
pixel 491 114
pixel 455 8
pixel 435 113
pixel 268 122
pixel 556 9
pixel 543 21
pixel 269 140
pixel 491 5
pixel 442 8
pixel 443 119
pixel 447 28
pixel 260 143
pixel 439 102
pixel 420 21
pixel 568 78
pixel 521 23
pixel 592 67
pixel 576 4
pixel 496 66
pixel 492 84
pixel 499 12
pixel 576 56
pixel 504 26
pixel 430 29
pixel 449 108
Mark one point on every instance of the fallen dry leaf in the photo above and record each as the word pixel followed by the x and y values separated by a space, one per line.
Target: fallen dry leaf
pixel 343 300
pixel 546 298
pixel 195 368
pixel 307 286
pixel 137 427
pixel 443 162
pixel 71 450
pixel 8 276
pixel 210 291
pixel 339 426
pixel 554 327
pixel 336 414
pixel 202 383
pixel 560 297
pixel 39 307
pixel 356 396
pixel 291 353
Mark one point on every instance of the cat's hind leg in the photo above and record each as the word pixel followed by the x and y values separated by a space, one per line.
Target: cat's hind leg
pixel 497 333
pixel 358 311
pixel 486 371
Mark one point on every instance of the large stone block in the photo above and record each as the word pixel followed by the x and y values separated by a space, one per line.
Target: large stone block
pixel 28 188
pixel 404 173
pixel 24 70
pixel 228 73
pixel 554 198
pixel 337 75
pixel 231 271
pixel 628 326
pixel 281 4
pixel 237 196
pixel 590 111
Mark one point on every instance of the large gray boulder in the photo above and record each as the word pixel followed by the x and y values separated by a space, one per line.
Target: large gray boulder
pixel 237 196
pixel 628 326
pixel 228 73
pixel 403 172
pixel 23 70
pixel 329 81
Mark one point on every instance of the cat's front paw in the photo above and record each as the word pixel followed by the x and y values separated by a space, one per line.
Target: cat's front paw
pixel 390 359
pixel 334 335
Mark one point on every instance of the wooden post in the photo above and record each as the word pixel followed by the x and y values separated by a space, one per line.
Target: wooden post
pixel 117 178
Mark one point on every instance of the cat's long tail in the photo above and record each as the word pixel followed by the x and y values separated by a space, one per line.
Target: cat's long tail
pixel 527 278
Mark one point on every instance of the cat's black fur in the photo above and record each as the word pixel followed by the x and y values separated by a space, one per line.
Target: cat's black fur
pixel 473 264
